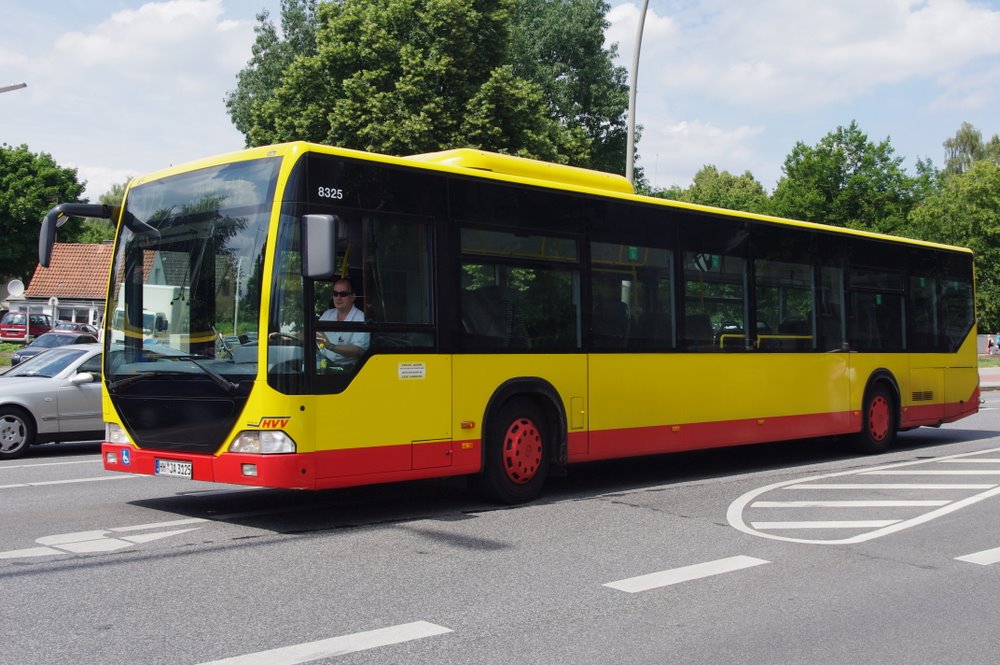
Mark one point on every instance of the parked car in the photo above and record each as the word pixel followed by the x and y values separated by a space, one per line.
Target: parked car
pixel 55 396
pixel 76 327
pixel 12 325
pixel 50 340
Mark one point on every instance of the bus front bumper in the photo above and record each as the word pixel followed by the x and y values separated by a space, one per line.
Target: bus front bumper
pixel 293 471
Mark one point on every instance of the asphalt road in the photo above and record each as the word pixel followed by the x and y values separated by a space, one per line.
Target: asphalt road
pixel 790 553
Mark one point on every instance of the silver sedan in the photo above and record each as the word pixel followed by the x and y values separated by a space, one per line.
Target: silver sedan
pixel 54 396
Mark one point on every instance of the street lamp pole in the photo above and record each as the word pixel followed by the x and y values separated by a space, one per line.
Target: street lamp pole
pixel 630 153
pixel 15 86
pixel 630 156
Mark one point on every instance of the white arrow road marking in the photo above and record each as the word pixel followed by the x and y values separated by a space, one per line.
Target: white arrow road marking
pixel 685 574
pixel 90 542
pixel 337 646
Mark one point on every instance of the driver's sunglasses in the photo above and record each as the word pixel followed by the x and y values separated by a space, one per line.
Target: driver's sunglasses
pixel 342 294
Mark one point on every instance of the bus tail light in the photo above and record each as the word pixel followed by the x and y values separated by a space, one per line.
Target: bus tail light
pixel 262 442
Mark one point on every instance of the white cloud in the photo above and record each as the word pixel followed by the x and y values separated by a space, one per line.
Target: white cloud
pixel 681 149
pixel 134 91
pixel 720 81
pixel 795 55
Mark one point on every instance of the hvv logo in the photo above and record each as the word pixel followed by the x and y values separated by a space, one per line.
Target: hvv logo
pixel 271 422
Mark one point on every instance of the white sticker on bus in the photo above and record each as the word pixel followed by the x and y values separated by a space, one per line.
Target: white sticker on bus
pixel 412 371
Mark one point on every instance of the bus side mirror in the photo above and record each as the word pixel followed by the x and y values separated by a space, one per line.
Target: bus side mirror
pixel 60 215
pixel 319 242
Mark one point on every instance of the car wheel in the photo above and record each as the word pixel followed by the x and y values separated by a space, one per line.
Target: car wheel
pixel 17 432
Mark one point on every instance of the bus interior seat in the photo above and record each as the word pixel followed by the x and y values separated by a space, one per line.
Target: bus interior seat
pixel 490 320
pixel 698 333
pixel 612 324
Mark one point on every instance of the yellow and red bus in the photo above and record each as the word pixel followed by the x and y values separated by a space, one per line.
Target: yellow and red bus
pixel 518 317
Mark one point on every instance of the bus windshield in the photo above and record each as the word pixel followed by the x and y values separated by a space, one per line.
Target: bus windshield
pixel 187 273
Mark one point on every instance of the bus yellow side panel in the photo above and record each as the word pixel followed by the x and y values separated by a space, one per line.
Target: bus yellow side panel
pixel 661 403
pixel 477 377
pixel 394 400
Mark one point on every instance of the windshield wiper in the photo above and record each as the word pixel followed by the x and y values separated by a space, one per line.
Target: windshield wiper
pixel 115 386
pixel 219 380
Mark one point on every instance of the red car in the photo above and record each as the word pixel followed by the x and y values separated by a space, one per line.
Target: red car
pixel 12 326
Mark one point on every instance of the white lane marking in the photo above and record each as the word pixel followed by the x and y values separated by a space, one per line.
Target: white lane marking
pixel 40 464
pixel 893 486
pixel 847 504
pixel 924 472
pixel 685 574
pixel 68 481
pixel 158 525
pixel 978 460
pixel 826 524
pixel 337 646
pixel 984 558
pixel 734 514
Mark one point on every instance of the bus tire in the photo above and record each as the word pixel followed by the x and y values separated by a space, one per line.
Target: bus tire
pixel 517 453
pixel 878 421
pixel 17 432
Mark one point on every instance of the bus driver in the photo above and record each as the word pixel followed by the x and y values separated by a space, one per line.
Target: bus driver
pixel 342 347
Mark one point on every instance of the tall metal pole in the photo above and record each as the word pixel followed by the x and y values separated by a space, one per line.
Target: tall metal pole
pixel 16 86
pixel 630 156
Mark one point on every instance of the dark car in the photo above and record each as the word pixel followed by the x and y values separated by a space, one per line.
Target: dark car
pixel 50 340
pixel 76 327
pixel 13 323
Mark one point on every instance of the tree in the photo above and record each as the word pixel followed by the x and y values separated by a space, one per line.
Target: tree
pixel 723 190
pixel 966 211
pixel 270 56
pixel 845 180
pixel 559 44
pixel 410 76
pixel 30 185
pixel 967 147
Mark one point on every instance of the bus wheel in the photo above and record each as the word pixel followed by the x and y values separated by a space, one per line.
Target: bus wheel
pixel 17 432
pixel 878 421
pixel 517 454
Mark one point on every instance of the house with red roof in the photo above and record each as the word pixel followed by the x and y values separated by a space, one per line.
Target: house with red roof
pixel 73 287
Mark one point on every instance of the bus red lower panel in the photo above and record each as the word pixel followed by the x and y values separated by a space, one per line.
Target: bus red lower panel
pixel 607 444
pixel 322 470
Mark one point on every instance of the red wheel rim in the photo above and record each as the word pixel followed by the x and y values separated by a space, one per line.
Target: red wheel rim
pixel 522 451
pixel 879 418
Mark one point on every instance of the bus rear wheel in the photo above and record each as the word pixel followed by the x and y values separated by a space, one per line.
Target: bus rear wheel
pixel 878 421
pixel 517 451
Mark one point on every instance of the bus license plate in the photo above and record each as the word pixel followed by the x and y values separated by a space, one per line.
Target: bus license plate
pixel 171 467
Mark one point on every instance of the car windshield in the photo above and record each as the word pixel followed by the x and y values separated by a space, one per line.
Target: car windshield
pixel 51 341
pixel 46 364
pixel 13 319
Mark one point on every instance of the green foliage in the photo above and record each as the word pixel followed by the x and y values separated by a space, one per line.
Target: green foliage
pixel 30 185
pixel 723 190
pixel 559 44
pixel 967 147
pixel 408 76
pixel 271 55
pixel 845 180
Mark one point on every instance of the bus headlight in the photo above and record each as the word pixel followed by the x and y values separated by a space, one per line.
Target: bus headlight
pixel 262 443
pixel 114 433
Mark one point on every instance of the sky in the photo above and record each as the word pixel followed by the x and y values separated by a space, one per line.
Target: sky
pixel 119 88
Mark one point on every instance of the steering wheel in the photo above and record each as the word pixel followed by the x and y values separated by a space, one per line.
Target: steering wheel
pixel 284 339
